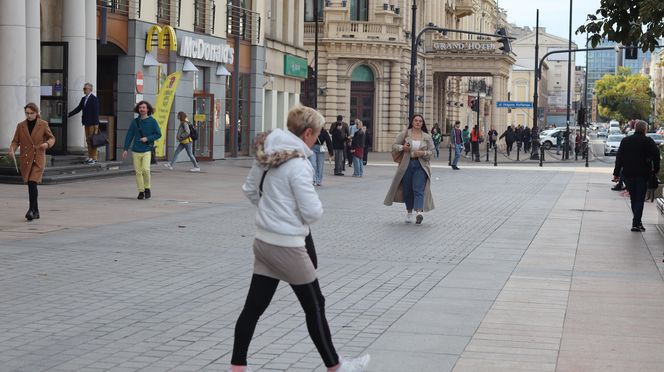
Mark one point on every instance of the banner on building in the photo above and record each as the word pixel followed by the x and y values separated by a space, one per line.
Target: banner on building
pixel 162 109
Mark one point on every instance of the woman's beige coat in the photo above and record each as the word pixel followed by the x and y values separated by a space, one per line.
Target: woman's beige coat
pixel 33 159
pixel 395 194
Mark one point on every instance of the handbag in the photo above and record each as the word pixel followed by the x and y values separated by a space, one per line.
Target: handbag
pixel 323 146
pixel 397 156
pixel 98 139
pixel 653 181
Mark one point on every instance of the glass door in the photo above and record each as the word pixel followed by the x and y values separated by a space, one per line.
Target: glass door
pixel 203 121
pixel 53 102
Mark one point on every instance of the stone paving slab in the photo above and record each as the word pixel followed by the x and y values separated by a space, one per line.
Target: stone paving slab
pixel 481 285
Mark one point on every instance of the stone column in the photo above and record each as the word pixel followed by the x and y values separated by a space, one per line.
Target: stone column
pixel 12 67
pixel 73 32
pixel 91 43
pixel 329 102
pixel 395 98
pixel 33 49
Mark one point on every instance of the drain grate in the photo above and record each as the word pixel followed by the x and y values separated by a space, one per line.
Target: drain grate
pixel 586 210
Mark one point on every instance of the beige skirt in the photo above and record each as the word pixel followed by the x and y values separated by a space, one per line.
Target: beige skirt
pixel 290 264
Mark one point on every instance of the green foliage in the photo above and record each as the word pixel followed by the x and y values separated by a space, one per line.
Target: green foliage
pixel 6 161
pixel 624 96
pixel 626 22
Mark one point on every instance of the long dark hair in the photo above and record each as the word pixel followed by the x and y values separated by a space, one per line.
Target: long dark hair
pixel 424 123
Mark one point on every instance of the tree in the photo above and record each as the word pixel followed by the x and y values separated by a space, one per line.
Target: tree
pixel 624 96
pixel 639 22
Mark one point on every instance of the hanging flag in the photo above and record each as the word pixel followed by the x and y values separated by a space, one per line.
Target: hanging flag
pixel 162 109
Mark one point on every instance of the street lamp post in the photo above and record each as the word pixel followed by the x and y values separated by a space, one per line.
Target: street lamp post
pixel 569 83
pixel 534 155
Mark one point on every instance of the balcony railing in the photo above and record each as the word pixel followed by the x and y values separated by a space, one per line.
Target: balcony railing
pixel 127 8
pixel 243 23
pixel 354 31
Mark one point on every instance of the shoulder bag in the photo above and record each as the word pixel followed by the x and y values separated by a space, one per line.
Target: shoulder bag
pixel 153 154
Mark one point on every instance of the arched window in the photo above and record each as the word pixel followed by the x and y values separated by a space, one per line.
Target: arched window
pixel 363 73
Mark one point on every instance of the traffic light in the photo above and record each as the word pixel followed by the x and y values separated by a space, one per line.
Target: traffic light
pixel 632 52
pixel 507 46
pixel 474 105
pixel 581 116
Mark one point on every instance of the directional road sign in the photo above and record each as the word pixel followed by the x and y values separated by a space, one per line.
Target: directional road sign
pixel 514 104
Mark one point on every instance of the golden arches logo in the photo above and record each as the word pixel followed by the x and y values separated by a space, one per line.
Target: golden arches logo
pixel 164 34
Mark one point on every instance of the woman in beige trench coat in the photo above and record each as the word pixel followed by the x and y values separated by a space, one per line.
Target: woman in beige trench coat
pixel 412 182
pixel 33 137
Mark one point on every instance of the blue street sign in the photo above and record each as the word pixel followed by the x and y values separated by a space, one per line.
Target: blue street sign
pixel 514 104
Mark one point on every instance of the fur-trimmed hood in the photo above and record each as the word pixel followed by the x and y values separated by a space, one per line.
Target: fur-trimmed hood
pixel 278 146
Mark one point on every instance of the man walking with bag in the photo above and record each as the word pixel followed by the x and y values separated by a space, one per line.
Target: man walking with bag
pixel 90 119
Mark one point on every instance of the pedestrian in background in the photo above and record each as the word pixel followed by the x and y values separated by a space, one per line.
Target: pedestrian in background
pixel 412 181
pixel 185 143
pixel 493 137
pixel 456 141
pixel 367 144
pixel 437 138
pixel 279 184
pixel 510 137
pixel 465 136
pixel 89 104
pixel 559 141
pixel 357 148
pixel 321 150
pixel 352 128
pixel 32 136
pixel 519 138
pixel 475 140
pixel 638 159
pixel 526 139
pixel 142 133
pixel 339 146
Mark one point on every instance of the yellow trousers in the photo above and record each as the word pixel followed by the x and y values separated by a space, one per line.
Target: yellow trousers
pixel 142 169
pixel 89 131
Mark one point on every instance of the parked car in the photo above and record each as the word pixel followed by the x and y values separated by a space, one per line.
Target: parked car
pixel 658 138
pixel 612 144
pixel 548 137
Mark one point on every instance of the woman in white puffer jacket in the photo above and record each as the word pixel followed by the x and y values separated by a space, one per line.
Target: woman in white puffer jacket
pixel 279 183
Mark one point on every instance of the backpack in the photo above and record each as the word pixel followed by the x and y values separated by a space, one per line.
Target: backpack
pixel 193 132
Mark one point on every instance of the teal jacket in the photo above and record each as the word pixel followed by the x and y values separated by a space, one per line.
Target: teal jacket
pixel 149 128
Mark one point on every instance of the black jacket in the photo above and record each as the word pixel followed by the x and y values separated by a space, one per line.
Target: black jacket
pixel 324 138
pixel 90 110
pixel 339 136
pixel 358 139
pixel 638 156
pixel 509 135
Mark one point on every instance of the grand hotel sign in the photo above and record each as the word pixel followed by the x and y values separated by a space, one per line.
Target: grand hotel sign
pixel 463 46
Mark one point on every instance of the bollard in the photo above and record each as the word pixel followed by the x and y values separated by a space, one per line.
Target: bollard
pixel 541 155
pixel 518 151
pixel 449 161
pixel 495 156
pixel 488 149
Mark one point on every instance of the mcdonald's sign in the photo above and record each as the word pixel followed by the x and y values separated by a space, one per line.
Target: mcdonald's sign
pixel 165 38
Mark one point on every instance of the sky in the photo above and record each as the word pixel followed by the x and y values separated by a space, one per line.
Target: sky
pixel 554 15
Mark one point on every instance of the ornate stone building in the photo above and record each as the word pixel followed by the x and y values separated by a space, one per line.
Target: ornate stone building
pixel 364 63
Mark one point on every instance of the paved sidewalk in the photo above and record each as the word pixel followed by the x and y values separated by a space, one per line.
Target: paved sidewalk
pixel 518 268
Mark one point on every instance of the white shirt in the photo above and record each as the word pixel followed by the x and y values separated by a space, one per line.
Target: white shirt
pixel 416 145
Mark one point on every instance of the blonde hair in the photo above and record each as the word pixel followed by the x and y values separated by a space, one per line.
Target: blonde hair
pixel 301 117
pixel 358 121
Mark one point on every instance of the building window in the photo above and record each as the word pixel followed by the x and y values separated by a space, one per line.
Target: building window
pixel 309 10
pixel 199 80
pixel 164 12
pixel 200 16
pixel 359 10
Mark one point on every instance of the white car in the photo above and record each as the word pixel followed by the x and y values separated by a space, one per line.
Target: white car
pixel 658 138
pixel 612 144
pixel 614 131
pixel 548 137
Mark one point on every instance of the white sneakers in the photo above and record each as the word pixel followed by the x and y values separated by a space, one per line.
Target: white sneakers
pixel 354 365
pixel 168 165
pixel 409 218
pixel 195 169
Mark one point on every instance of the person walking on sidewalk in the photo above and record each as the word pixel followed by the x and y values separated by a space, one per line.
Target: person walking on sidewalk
pixel 465 136
pixel 493 137
pixel 279 184
pixel 321 150
pixel 90 119
pixel 357 149
pixel 510 137
pixel 475 140
pixel 437 139
pixel 142 133
pixel 526 139
pixel 412 181
pixel 456 140
pixel 32 136
pixel 638 159
pixel 185 143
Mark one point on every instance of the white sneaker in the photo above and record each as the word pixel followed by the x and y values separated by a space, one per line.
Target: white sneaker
pixel 354 365
pixel 409 218
pixel 168 165
pixel 195 169
pixel 419 218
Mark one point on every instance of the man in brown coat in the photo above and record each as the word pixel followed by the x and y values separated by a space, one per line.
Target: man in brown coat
pixel 33 136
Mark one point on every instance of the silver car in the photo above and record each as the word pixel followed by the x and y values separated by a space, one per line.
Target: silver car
pixel 656 137
pixel 612 144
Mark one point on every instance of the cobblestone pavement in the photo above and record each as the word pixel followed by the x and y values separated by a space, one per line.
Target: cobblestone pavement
pixel 163 293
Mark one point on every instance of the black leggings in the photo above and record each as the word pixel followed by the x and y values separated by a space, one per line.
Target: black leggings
pixel 33 194
pixel 260 294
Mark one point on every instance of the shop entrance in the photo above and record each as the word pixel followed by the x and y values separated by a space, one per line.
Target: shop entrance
pixel 203 120
pixel 53 102
pixel 362 99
